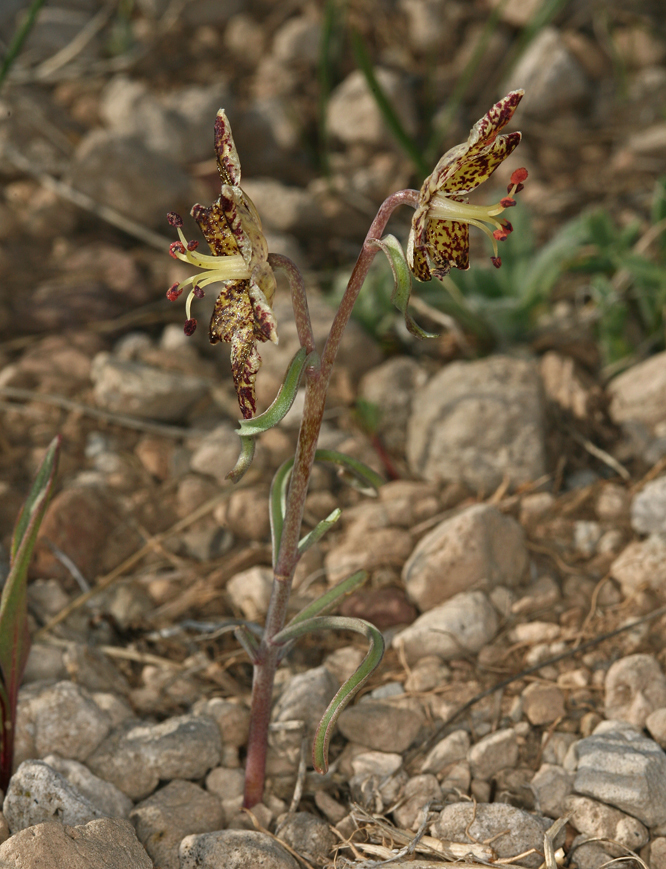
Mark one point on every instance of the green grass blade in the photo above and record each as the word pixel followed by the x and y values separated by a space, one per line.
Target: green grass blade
pixel 19 38
pixel 331 598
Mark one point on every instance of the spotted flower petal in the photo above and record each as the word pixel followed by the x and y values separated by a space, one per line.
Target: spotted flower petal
pixel 231 226
pixel 439 237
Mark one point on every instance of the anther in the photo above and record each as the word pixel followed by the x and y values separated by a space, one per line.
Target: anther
pixel 198 292
pixel 496 261
pixel 192 245
pixel 176 247
pixel 174 219
pixel 190 327
pixel 173 292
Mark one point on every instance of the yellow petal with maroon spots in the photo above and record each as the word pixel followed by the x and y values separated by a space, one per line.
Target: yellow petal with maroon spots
pixel 447 243
pixel 484 132
pixel 476 170
pixel 215 229
pixel 228 162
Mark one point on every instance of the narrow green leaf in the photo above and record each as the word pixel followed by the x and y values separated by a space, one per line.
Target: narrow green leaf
pixel 248 641
pixel 277 504
pixel 331 598
pixel 283 400
pixel 319 530
pixel 351 686
pixel 20 37
pixel 243 461
pixel 14 635
pixel 402 281
pixel 369 479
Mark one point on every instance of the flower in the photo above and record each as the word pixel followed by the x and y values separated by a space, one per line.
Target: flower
pixel 439 237
pixel 242 315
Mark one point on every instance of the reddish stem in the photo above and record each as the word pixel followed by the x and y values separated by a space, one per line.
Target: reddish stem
pixel 317 379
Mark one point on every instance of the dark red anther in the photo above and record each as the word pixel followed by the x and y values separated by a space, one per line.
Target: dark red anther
pixel 192 245
pixel 507 202
pixel 500 234
pixel 173 292
pixel 190 327
pixel 176 247
pixel 496 261
pixel 519 176
pixel 174 219
pixel 198 292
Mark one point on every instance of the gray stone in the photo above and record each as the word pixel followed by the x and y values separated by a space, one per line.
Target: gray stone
pixel 228 785
pixel 465 623
pixel 542 703
pixel 599 821
pixel 479 422
pixel 178 124
pixel 551 76
pixel 306 697
pixel 492 753
pixel 477 548
pixel 120 172
pixel 68 721
pixel 44 663
pixel 309 836
pixel 103 844
pixel 419 791
pixel 143 390
pixel 656 725
pixel 451 749
pixel 136 756
pixel 391 387
pixel 175 811
pixel 216 454
pixel 284 208
pixel 111 801
pixel 377 763
pixel 93 670
pixel 353 115
pixel 250 591
pixel 639 394
pixel 551 785
pixel 234 849
pixel 642 563
pixel 625 769
pixel 37 793
pixel 381 726
pixel 520 831
pixel 233 719
pixel 648 508
pixel 635 686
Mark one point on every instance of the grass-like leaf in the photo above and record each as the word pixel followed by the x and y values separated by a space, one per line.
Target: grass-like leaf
pixel 14 636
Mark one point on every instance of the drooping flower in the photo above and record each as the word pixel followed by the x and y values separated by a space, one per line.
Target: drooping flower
pixel 242 315
pixel 439 237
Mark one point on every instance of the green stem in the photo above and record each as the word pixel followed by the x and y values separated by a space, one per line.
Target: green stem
pixel 317 379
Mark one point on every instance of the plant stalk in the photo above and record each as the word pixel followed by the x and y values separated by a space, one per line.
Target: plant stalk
pixel 317 378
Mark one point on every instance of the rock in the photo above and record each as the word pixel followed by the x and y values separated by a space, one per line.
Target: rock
pixel 519 830
pixel 639 394
pixel 586 536
pixel 233 719
pixel 309 836
pixel 613 503
pixel 306 697
pixel 177 125
pixel 552 78
pixel 658 853
pixel 215 455
pixel 367 550
pixel 428 673
pixel 419 790
pixel 452 748
pixel 625 769
pixel 642 563
pixel 492 753
pixel 173 812
pixel 551 785
pixel 381 726
pixel 121 173
pixel 45 663
pixel 68 721
pixel 245 514
pixel 228 785
pixel 599 821
pixel 555 745
pixel 478 548
pixel 250 591
pixel 111 801
pixel 104 844
pixel 353 115
pixel 71 510
pixel 137 755
pixel 378 763
pixel 284 208
pixel 648 508
pixel 143 390
pixel 542 703
pixel 479 422
pixel 93 670
pixel 383 607
pixel 234 849
pixel 635 686
pixel 656 725
pixel 391 387
pixel 38 793
pixel 466 622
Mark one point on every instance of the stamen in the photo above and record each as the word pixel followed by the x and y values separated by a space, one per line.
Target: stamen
pixel 193 245
pixel 198 292
pixel 190 327
pixel 175 248
pixel 174 219
pixel 173 292
pixel 507 202
pixel 496 261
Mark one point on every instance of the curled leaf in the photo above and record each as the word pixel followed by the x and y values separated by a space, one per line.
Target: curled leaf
pixel 282 402
pixel 319 530
pixel 244 460
pixel 351 686
pixel 331 598
pixel 402 281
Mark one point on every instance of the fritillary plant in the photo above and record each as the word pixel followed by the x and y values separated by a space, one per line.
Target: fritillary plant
pixel 243 317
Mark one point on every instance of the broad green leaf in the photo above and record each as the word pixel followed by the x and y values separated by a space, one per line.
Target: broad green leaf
pixel 351 686
pixel 14 636
pixel 402 281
